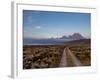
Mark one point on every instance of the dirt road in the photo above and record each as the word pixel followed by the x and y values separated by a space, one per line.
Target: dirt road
pixel 74 59
pixel 69 59
pixel 63 62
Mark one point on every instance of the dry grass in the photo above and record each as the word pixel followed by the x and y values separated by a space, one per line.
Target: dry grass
pixel 41 56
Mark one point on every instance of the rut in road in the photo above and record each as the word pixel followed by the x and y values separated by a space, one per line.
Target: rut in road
pixel 74 59
pixel 63 62
pixel 68 59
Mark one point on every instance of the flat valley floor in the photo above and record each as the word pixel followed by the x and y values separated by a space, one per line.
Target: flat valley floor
pixel 70 54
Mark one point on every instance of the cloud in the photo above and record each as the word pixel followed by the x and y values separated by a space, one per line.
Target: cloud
pixel 38 27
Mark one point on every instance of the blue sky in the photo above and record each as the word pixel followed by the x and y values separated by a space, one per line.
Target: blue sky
pixel 47 24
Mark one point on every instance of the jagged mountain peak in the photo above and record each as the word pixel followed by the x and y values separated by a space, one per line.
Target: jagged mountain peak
pixel 75 36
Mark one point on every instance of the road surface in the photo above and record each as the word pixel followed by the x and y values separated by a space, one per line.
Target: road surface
pixel 69 59
pixel 63 62
pixel 75 61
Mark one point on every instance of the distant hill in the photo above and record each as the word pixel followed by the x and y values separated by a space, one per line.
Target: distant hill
pixel 75 36
pixel 79 42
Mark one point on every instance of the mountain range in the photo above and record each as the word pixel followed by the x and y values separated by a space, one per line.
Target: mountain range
pixel 74 36
pixel 52 41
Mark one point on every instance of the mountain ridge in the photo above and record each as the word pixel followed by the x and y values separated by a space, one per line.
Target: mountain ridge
pixel 74 36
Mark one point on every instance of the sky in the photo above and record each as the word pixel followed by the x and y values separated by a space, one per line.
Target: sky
pixel 47 24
